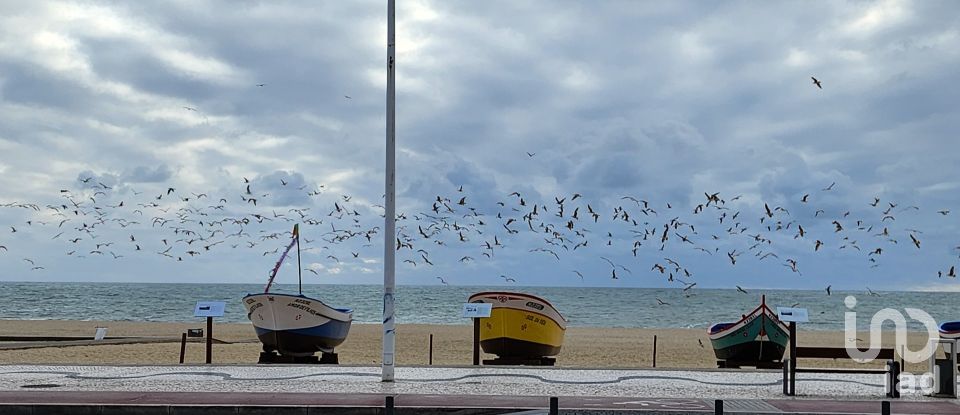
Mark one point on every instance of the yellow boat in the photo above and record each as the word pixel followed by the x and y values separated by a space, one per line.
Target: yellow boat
pixel 520 325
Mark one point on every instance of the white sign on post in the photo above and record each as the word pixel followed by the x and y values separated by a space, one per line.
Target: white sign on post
pixel 790 314
pixel 475 310
pixel 209 309
pixel 100 333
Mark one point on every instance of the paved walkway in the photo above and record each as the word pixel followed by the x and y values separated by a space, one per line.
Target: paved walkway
pixel 454 387
pixel 463 403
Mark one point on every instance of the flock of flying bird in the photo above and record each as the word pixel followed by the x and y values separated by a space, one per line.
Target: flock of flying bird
pixel 94 219
pixel 184 225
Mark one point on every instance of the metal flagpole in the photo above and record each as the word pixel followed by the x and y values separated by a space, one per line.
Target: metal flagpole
pixel 389 248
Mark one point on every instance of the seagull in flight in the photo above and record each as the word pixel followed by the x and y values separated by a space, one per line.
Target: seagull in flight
pixel 661 302
pixel 816 82
pixel 742 290
pixel 915 241
pixel 261 85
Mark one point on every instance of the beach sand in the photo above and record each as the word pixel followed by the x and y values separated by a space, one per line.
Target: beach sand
pixel 452 345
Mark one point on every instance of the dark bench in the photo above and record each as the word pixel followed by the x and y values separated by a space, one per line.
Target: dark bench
pixel 791 367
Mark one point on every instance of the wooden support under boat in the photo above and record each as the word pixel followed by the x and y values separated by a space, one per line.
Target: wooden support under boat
pixel 324 359
pixel 516 361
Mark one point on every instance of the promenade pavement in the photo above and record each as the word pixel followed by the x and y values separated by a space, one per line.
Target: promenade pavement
pixel 454 388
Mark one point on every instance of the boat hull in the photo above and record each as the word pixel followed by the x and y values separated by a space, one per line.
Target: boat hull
pixel 757 337
pixel 950 330
pixel 520 326
pixel 296 325
pixel 752 351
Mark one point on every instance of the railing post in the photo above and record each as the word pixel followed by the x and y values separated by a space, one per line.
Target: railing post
pixel 718 407
pixel 654 350
pixel 885 407
pixel 476 341
pixel 892 381
pixel 209 340
pixel 793 376
pixel 786 377
pixel 793 358
pixel 888 380
pixel 895 378
pixel 183 346
pixel 388 406
pixel 554 405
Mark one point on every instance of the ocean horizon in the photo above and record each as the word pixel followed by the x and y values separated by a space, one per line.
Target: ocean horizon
pixel 583 307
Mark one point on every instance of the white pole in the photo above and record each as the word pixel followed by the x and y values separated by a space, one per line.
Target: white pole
pixel 389 247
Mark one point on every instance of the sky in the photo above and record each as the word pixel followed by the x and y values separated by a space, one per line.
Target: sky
pixel 179 141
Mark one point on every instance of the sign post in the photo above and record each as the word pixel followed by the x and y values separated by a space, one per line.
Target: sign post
pixel 793 316
pixel 476 311
pixel 209 309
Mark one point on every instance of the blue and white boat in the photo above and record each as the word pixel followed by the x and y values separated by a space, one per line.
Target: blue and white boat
pixel 950 330
pixel 295 325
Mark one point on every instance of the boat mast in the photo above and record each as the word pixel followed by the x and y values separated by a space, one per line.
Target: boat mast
pixel 299 269
pixel 389 282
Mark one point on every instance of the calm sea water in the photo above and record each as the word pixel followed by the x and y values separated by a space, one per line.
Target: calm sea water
pixel 583 307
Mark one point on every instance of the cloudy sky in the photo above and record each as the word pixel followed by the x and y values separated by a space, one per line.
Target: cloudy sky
pixel 178 141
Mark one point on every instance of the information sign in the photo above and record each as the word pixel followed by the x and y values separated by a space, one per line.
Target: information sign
pixel 475 310
pixel 209 309
pixel 791 314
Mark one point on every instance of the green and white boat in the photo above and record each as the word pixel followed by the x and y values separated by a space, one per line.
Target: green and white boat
pixel 757 337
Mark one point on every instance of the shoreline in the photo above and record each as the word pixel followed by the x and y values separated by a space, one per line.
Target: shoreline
pixel 583 347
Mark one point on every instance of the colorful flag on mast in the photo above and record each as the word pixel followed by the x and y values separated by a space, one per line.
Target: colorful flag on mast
pixel 276 267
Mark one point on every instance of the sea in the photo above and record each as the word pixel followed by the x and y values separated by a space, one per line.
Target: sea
pixel 443 304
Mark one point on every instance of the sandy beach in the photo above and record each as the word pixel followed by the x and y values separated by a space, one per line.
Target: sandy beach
pixel 583 347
